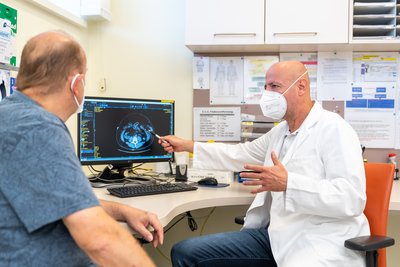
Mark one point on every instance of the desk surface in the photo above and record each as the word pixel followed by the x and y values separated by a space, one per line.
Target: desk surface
pixel 167 206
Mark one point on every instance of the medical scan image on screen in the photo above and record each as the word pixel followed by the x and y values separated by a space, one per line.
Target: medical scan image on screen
pixel 133 133
pixel 123 130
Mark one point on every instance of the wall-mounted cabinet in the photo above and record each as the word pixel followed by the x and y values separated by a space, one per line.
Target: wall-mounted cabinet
pixel 214 26
pixel 233 22
pixel 306 21
pixel 377 19
pixel 224 22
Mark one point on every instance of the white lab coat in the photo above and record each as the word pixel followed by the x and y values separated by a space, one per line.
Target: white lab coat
pixel 325 196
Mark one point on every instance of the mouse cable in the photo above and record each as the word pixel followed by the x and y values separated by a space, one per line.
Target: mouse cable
pixel 172 225
pixel 163 255
pixel 191 221
pixel 205 222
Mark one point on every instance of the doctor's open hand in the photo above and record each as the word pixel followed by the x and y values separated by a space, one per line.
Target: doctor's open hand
pixel 171 143
pixel 269 178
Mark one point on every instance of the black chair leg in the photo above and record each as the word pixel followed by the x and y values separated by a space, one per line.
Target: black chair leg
pixel 372 258
pixel 239 220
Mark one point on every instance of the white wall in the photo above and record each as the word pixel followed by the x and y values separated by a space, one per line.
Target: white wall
pixel 141 54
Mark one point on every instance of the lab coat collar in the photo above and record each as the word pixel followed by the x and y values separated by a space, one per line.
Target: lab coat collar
pixel 303 131
pixel 312 117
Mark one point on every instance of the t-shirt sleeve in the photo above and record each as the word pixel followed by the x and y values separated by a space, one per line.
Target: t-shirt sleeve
pixel 43 180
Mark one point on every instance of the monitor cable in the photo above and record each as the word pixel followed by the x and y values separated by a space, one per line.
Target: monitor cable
pixel 92 169
pixel 191 222
pixel 170 167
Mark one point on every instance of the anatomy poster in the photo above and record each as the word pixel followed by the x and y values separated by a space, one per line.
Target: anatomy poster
pixel 226 80
pixel 201 72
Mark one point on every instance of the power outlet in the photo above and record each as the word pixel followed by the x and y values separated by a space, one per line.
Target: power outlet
pixel 102 85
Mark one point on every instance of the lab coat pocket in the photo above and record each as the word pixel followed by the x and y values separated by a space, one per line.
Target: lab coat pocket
pixel 305 164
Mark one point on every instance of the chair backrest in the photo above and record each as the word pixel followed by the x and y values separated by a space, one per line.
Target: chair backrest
pixel 379 178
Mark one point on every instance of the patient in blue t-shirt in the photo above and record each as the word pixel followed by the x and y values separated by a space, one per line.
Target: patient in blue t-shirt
pixel 49 213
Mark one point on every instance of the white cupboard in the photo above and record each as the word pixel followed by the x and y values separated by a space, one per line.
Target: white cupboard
pixel 224 22
pixel 306 21
pixel 292 25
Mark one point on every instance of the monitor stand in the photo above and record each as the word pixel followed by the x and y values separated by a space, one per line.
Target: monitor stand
pixel 113 173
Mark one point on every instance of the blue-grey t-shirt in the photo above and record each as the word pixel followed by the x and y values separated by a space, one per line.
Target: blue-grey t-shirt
pixel 41 182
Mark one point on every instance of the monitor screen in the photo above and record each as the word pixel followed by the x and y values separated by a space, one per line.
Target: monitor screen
pixel 122 131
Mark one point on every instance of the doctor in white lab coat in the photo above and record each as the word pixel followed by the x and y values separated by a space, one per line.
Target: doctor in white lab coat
pixel 310 173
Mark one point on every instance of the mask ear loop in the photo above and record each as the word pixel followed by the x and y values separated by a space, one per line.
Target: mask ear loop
pixel 72 88
pixel 74 80
pixel 294 82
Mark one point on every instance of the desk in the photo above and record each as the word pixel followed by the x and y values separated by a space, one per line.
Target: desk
pixel 167 206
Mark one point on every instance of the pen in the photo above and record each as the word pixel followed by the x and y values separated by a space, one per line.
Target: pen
pixel 159 138
pixel 153 133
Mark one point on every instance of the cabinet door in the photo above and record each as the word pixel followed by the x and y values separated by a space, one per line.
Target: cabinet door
pixel 224 22
pixel 306 21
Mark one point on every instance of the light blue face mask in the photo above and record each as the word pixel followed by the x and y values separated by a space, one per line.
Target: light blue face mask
pixel 273 104
pixel 80 106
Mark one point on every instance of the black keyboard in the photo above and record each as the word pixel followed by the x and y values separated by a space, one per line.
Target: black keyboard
pixel 149 189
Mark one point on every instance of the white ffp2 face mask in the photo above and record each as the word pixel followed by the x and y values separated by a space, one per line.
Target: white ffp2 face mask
pixel 80 106
pixel 273 104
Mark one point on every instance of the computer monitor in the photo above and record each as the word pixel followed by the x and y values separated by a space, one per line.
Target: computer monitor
pixel 122 131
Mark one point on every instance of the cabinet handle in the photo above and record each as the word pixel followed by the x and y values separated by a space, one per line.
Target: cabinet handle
pixel 234 34
pixel 295 33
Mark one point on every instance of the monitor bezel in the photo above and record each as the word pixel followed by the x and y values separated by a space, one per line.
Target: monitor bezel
pixel 131 161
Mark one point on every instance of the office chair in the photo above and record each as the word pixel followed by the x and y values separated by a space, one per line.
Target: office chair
pixel 379 180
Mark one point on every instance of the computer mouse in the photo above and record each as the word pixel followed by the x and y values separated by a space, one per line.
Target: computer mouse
pixel 208 181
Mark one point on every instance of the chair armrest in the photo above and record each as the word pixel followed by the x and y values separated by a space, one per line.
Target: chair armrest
pixel 369 243
pixel 239 220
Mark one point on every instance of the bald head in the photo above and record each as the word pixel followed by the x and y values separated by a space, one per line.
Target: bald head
pixel 47 60
pixel 282 74
pixel 288 70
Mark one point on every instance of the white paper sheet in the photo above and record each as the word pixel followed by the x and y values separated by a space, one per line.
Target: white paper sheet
pixel 375 67
pixel 226 80
pixel 255 68
pixel 397 132
pixel 334 76
pixel 372 110
pixel 375 128
pixel 216 124
pixel 201 72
